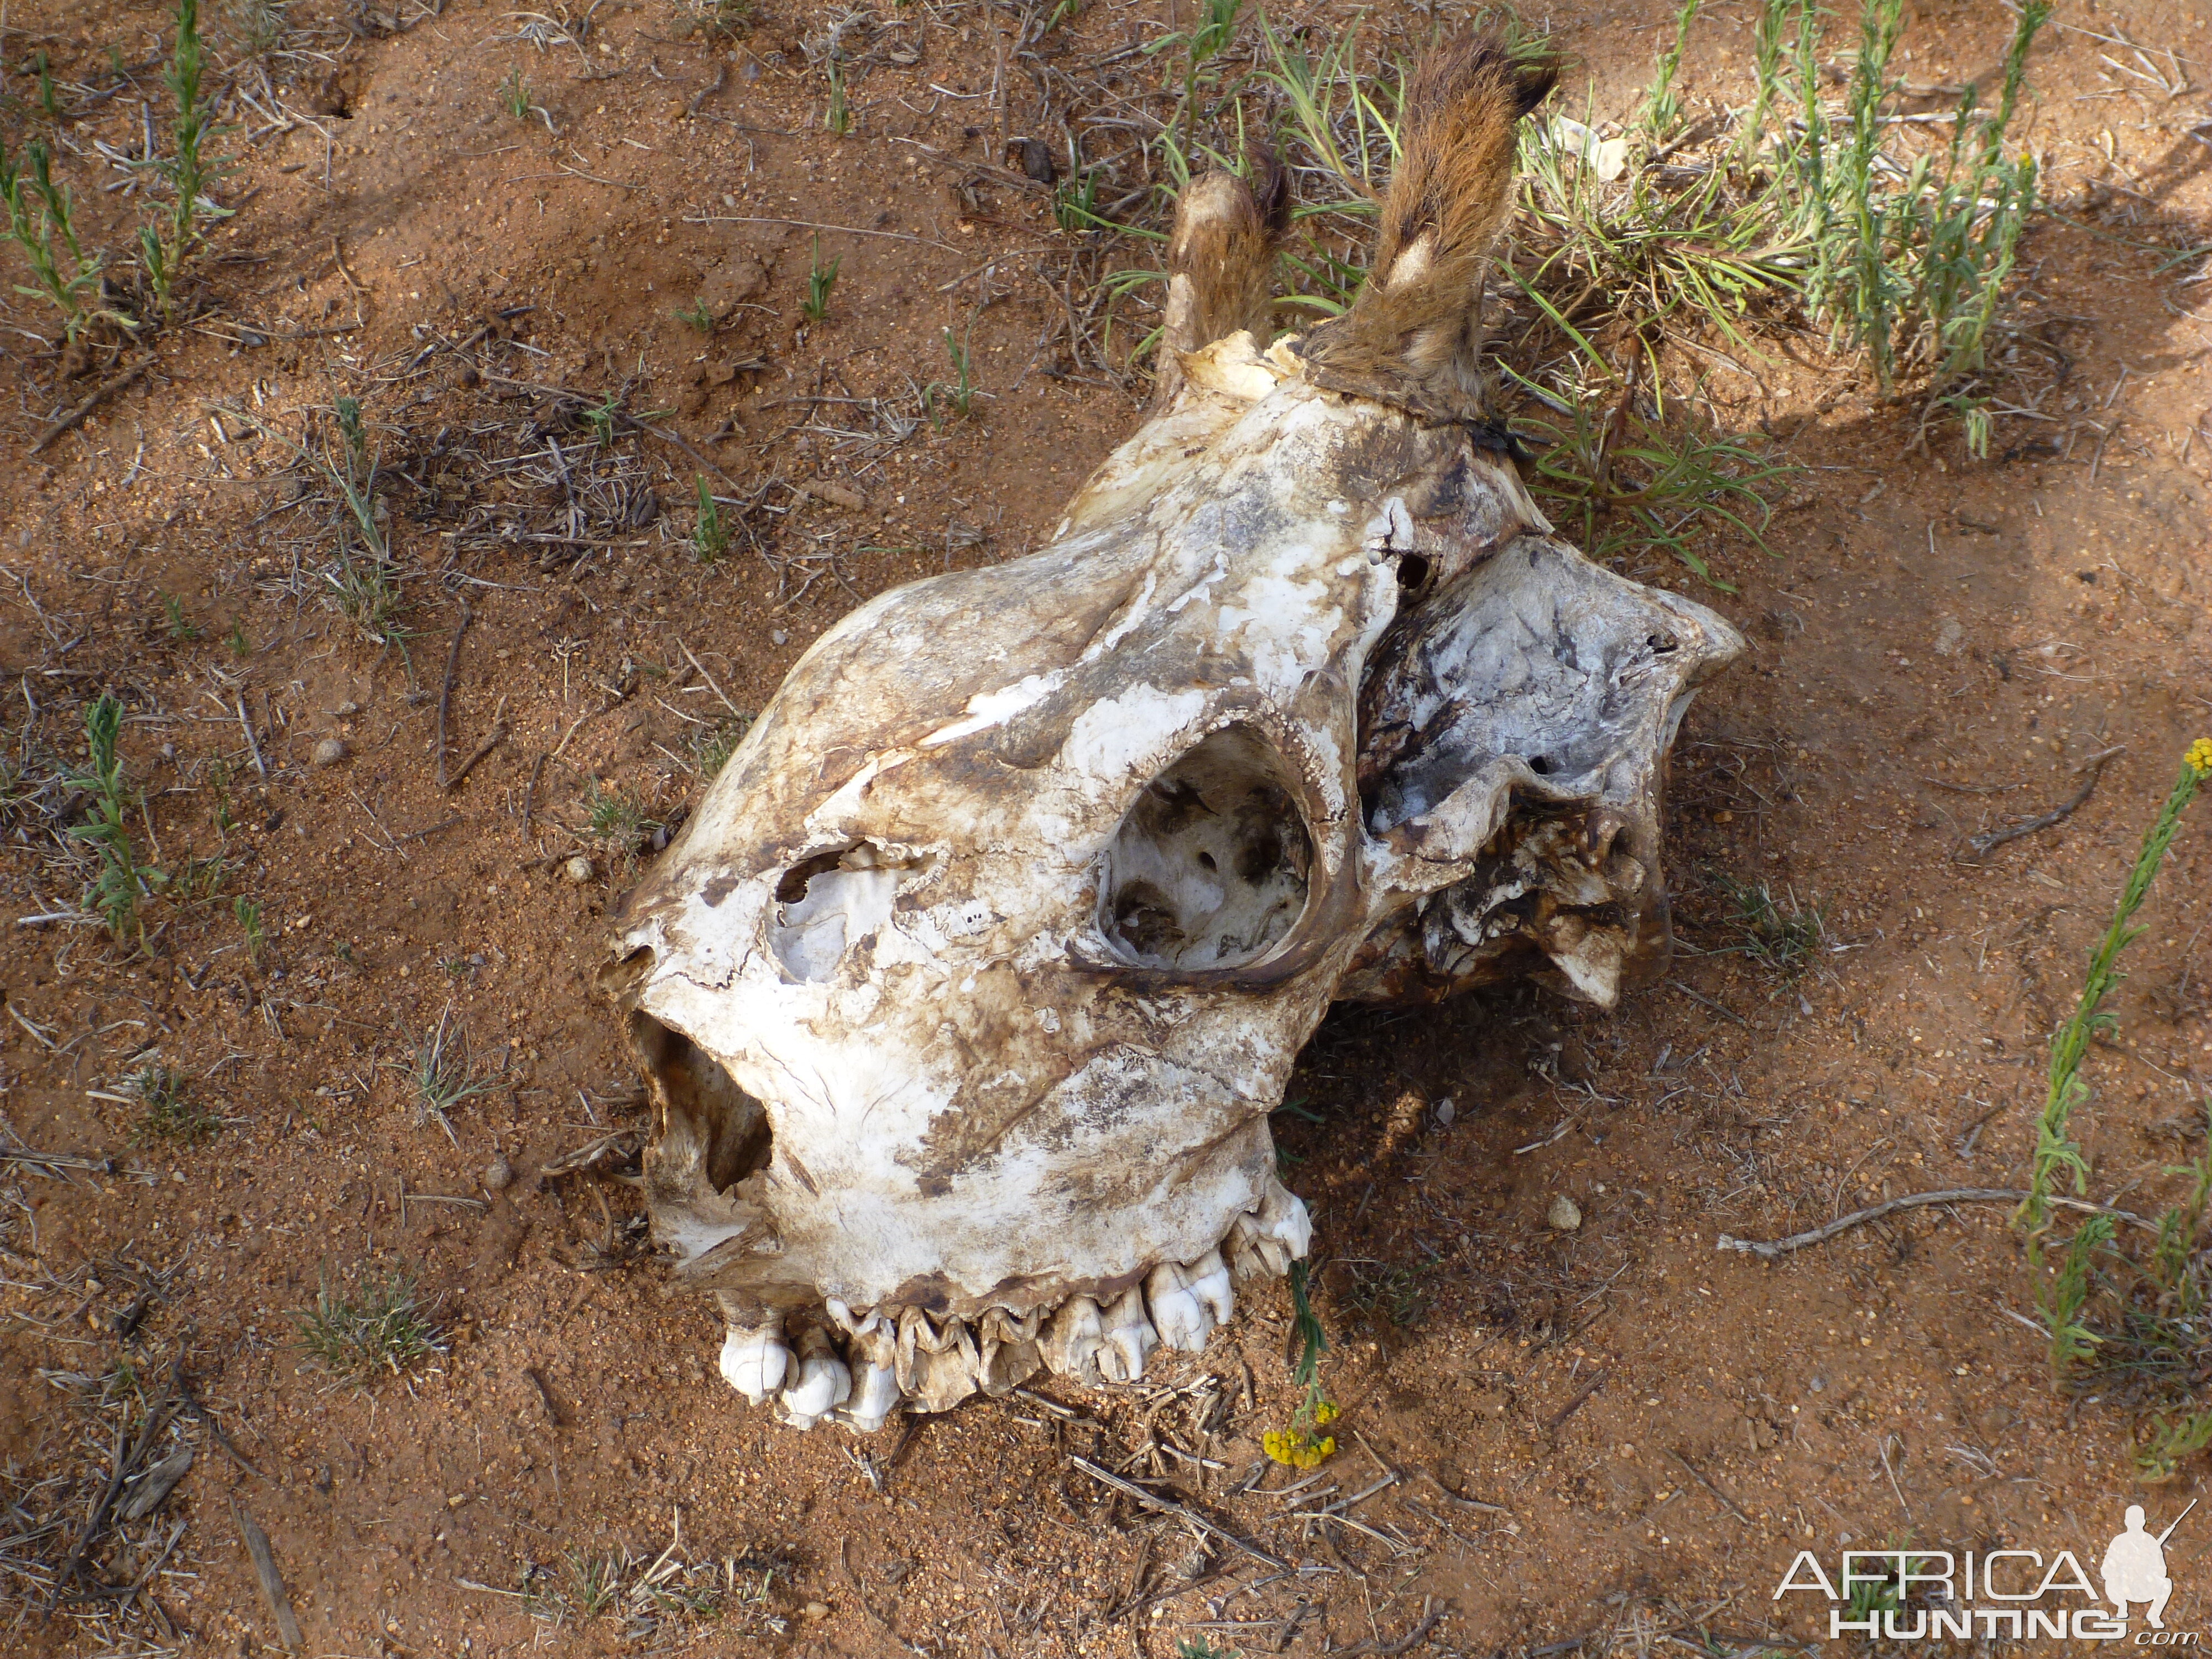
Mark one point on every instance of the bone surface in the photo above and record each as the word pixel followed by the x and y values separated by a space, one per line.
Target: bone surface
pixel 963 997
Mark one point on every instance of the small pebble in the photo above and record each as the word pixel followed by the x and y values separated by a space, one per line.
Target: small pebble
pixel 1447 1112
pixel 814 1610
pixel 499 1175
pixel 329 751
pixel 577 869
pixel 779 637
pixel 1565 1214
pixel 1818 1386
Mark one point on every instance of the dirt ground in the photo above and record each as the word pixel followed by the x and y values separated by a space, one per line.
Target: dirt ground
pixel 1617 1434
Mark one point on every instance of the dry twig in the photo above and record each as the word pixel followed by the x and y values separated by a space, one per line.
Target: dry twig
pixel 1982 845
pixel 1769 1251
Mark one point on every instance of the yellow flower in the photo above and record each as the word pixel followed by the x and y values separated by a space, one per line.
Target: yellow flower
pixel 1297 1450
pixel 1325 1411
pixel 2200 757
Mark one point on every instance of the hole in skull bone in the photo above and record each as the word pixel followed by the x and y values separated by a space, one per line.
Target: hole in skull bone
pixel 827 904
pixel 1414 572
pixel 1209 867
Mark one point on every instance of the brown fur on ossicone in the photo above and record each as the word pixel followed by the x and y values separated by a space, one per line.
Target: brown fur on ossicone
pixel 1414 337
pixel 1221 264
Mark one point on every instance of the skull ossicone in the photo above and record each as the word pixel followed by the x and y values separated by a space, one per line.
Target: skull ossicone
pixel 964 999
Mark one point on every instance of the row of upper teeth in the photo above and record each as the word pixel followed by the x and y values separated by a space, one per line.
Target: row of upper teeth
pixel 860 1368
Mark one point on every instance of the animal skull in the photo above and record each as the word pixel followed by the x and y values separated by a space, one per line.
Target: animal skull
pixel 964 999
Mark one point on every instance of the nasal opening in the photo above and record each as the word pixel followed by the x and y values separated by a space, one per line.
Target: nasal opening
pixel 702 1103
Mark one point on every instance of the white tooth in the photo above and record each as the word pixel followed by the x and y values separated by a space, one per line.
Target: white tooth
pixel 1209 1281
pixel 1264 1244
pixel 1072 1339
pixel 1282 1217
pixel 875 1390
pixel 1182 1320
pixel 754 1361
pixel 1130 1337
pixel 874 1398
pixel 824 1382
pixel 1255 1254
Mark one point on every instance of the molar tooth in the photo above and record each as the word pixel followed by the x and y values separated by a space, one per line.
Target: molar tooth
pixel 824 1382
pixel 936 1366
pixel 1010 1349
pixel 1072 1339
pixel 1129 1336
pixel 874 1399
pixel 1283 1217
pixel 1264 1244
pixel 1209 1281
pixel 1183 1321
pixel 754 1361
pixel 875 1392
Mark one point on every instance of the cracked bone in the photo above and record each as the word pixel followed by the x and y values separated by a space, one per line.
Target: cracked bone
pixel 963 997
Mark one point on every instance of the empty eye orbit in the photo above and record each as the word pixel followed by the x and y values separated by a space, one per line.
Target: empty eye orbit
pixel 1211 865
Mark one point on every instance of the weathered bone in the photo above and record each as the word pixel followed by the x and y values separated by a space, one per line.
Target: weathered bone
pixel 963 998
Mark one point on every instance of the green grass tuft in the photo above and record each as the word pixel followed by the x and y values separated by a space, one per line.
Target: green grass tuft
pixel 440 1074
pixel 381 1327
pixel 710 536
pixel 168 1113
pixel 820 279
pixel 119 881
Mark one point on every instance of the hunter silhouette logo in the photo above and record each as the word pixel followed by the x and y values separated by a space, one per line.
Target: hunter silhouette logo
pixel 2134 1567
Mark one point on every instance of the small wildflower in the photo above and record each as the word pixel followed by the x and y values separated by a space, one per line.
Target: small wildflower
pixel 1298 1449
pixel 1301 1446
pixel 2199 757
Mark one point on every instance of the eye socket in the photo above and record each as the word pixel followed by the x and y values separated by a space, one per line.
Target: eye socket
pixel 1209 867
